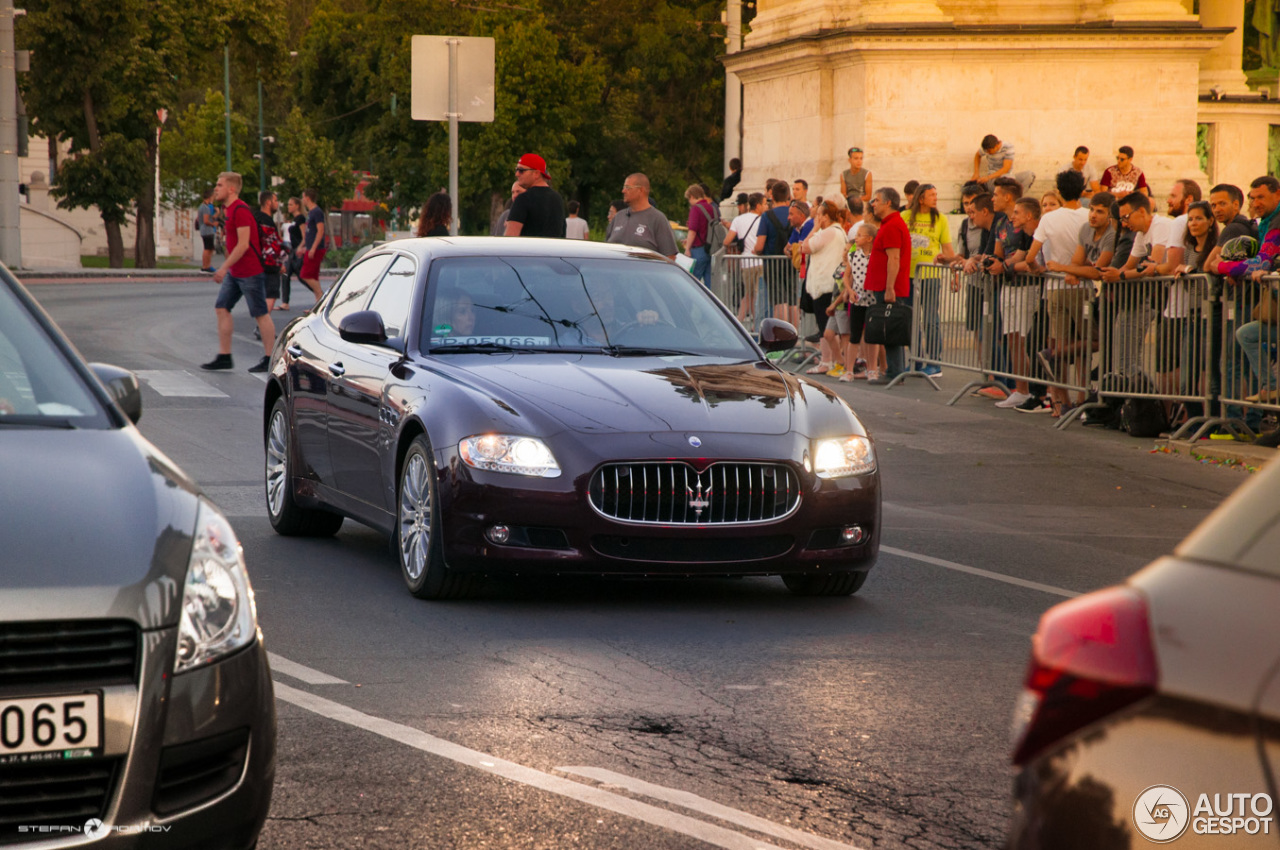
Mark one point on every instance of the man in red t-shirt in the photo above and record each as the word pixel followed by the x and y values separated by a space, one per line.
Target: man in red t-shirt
pixel 889 261
pixel 241 274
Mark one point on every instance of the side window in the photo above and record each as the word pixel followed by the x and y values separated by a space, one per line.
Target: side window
pixel 393 296
pixel 355 286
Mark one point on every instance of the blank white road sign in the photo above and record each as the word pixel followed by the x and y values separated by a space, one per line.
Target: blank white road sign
pixel 429 72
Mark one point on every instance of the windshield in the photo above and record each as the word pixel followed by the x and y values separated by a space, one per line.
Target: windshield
pixel 38 387
pixel 613 306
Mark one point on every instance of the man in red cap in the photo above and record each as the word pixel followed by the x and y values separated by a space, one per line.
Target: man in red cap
pixel 539 210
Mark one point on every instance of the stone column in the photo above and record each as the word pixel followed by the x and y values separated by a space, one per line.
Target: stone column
pixel 1221 67
pixel 38 192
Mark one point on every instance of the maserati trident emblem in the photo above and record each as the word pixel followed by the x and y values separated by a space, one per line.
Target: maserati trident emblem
pixel 696 442
pixel 699 501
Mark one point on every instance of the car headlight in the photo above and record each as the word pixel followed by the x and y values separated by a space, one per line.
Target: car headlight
pixel 842 457
pixel 509 453
pixel 218 611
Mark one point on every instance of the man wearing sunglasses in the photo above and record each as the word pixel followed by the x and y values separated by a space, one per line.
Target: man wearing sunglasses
pixel 539 210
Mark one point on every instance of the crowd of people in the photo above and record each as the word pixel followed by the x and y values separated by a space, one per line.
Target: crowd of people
pixel 870 247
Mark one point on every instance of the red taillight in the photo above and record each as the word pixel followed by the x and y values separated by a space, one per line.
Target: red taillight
pixel 1090 657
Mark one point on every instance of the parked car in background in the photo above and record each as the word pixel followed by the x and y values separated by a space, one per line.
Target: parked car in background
pixel 552 407
pixel 135 695
pixel 1151 711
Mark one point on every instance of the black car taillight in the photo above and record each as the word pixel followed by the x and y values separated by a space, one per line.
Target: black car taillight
pixel 1090 657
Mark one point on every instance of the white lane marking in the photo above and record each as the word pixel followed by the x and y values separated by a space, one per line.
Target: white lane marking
pixel 303 674
pixel 963 568
pixel 173 382
pixel 706 807
pixel 717 836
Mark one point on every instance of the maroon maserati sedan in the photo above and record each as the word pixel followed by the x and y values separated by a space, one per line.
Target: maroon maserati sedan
pixel 1151 711
pixel 554 407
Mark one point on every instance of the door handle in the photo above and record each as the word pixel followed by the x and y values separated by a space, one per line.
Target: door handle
pixel 337 370
pixel 294 350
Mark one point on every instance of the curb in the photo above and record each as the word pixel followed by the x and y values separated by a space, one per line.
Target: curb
pixel 1229 453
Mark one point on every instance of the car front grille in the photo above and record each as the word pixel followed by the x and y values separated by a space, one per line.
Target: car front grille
pixel 674 493
pixel 53 799
pixel 71 653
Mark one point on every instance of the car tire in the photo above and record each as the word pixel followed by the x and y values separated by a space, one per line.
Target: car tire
pixel 417 537
pixel 836 584
pixel 287 517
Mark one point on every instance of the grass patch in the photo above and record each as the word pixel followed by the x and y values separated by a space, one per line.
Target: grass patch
pixel 93 261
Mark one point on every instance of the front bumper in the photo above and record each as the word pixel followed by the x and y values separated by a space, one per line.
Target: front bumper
pixel 192 756
pixel 556 531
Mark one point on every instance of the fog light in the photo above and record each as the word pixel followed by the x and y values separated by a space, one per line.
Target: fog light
pixel 498 534
pixel 852 535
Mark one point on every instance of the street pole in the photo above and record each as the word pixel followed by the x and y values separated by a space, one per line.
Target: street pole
pixel 262 150
pixel 226 84
pixel 453 134
pixel 10 231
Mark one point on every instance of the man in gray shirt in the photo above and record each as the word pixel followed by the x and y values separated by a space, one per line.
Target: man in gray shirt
pixel 641 224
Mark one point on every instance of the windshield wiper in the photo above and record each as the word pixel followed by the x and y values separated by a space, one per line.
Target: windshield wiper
pixel 25 421
pixel 643 351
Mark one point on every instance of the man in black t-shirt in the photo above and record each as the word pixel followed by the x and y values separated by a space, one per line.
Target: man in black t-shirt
pixel 539 210
pixel 293 265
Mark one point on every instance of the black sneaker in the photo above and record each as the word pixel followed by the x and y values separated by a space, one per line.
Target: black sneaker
pixel 222 361
pixel 262 365
pixel 1033 405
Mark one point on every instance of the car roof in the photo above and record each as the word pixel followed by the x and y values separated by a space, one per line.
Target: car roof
pixel 432 247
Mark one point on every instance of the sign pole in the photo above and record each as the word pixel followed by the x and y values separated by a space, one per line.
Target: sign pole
pixel 453 134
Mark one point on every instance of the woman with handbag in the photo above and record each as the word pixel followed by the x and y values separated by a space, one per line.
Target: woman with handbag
pixel 825 248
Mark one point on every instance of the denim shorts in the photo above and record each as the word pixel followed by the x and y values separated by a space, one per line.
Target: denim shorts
pixel 253 288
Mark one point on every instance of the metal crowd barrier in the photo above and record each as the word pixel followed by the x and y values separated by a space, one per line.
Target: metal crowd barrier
pixel 755 288
pixel 1156 342
pixel 996 327
pixel 1249 374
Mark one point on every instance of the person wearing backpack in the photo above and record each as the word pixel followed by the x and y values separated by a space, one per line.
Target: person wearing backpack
pixel 272 251
pixel 207 226
pixel 240 275
pixel 774 235
pixel 706 231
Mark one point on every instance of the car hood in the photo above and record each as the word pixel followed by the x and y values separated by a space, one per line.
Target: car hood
pixel 93 524
pixel 595 394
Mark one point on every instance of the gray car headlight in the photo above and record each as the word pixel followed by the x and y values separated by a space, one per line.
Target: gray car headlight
pixel 218 611
pixel 842 457
pixel 509 453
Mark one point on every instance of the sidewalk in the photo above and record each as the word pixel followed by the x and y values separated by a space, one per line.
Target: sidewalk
pixel 1228 453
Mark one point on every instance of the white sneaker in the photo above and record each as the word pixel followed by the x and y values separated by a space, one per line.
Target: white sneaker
pixel 1014 400
pixel 821 369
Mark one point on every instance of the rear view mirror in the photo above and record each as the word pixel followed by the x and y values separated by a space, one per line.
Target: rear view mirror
pixel 363 328
pixel 777 335
pixel 122 385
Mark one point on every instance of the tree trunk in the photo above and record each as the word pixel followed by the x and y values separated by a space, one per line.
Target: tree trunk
pixel 144 244
pixel 115 244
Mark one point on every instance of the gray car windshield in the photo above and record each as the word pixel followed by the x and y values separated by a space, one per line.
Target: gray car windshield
pixel 38 387
pixel 618 307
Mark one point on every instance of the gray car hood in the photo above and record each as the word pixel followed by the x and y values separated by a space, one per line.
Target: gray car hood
pixel 93 524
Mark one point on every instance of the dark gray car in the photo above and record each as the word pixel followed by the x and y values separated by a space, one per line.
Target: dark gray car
pixel 136 704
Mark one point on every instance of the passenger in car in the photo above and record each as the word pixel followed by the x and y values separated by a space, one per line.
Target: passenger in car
pixel 456 310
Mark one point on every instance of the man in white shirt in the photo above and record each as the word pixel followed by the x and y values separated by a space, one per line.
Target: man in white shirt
pixel 574 227
pixel 1182 195
pixel 1065 299
pixel 1134 309
pixel 741 237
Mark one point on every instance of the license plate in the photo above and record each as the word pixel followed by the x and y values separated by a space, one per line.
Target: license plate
pixel 66 725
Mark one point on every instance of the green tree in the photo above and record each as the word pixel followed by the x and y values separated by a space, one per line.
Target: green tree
pixel 193 151
pixel 107 178
pixel 306 160
pixel 105 67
